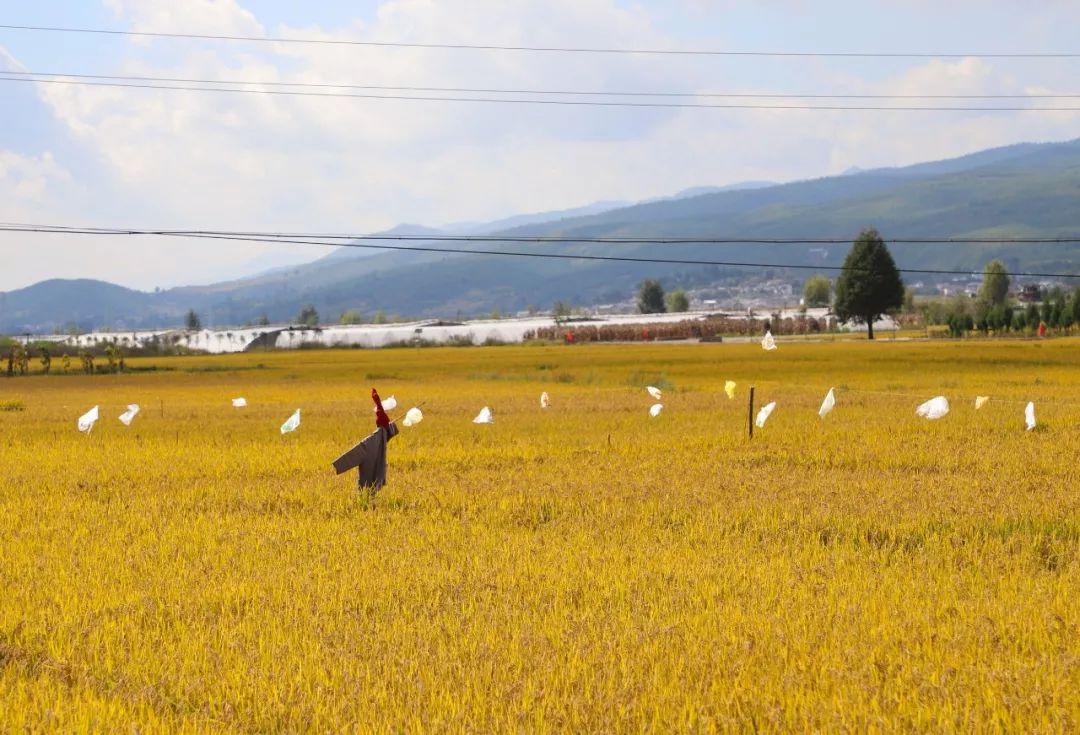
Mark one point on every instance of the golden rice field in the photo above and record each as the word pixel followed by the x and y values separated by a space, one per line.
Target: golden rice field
pixel 583 569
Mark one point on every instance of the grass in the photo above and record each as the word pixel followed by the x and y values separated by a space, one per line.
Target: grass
pixel 581 569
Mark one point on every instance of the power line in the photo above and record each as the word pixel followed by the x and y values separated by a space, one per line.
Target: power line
pixel 703 240
pixel 557 102
pixel 559 49
pixel 539 239
pixel 511 253
pixel 551 92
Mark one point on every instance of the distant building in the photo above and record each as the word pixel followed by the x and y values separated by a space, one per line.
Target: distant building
pixel 1029 294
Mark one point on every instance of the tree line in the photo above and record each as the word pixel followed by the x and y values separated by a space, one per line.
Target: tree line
pixel 870 287
pixel 19 357
pixel 308 316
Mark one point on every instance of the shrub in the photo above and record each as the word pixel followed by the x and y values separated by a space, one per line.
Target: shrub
pixel 677 301
pixel 650 298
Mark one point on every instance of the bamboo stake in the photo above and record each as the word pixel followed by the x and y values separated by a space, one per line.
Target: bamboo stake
pixel 750 414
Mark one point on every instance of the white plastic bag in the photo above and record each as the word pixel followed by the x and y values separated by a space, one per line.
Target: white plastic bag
pixel 655 410
pixel 129 415
pixel 413 417
pixel 239 402
pixel 484 417
pixel 980 401
pixel 88 419
pixel 933 409
pixel 828 404
pixel 655 392
pixel 545 401
pixel 729 388
pixel 764 413
pixel 292 424
pixel 1029 416
pixel 389 404
pixel 767 342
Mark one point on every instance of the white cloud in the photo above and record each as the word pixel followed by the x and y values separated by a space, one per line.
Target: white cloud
pixel 363 163
pixel 295 163
pixel 219 17
pixel 27 180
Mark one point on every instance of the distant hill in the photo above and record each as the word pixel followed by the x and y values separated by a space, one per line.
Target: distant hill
pixel 81 304
pixel 696 191
pixel 404 230
pixel 1020 190
pixel 483 228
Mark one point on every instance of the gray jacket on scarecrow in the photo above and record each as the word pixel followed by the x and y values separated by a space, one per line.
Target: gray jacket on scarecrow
pixel 369 458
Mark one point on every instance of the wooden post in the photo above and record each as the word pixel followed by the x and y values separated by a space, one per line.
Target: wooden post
pixel 750 415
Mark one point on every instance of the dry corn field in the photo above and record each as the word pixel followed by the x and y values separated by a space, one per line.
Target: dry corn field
pixel 585 568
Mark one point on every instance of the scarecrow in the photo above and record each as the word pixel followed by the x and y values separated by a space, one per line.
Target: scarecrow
pixel 369 456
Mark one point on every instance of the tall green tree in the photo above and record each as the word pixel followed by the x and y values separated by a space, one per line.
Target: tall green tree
pixel 995 285
pixel 1019 321
pixel 1032 316
pixel 1000 318
pixel 817 291
pixel 1059 310
pixel 192 321
pixel 308 316
pixel 650 297
pixel 1047 309
pixel 870 284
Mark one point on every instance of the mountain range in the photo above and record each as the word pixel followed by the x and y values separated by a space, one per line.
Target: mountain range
pixel 1024 190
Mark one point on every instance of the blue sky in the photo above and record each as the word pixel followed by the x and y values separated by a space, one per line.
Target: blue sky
pixel 93 156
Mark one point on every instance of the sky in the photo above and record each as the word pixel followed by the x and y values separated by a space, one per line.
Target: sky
pixel 98 156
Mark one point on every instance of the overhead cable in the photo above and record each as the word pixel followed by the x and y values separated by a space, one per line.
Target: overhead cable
pixel 570 239
pixel 553 49
pixel 534 91
pixel 549 102
pixel 519 254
